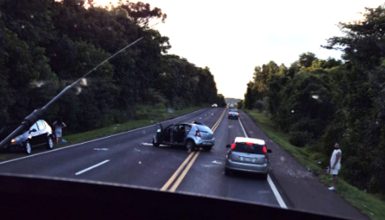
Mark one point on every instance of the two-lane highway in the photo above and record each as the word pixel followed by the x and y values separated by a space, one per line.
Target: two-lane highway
pixel 129 158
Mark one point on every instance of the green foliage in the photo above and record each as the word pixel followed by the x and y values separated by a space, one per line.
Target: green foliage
pixel 240 104
pixel 320 102
pixel 307 59
pixel 45 45
pixel 183 83
pixel 369 204
pixel 250 96
pixel 364 42
pixel 259 86
pixel 221 100
pixel 299 138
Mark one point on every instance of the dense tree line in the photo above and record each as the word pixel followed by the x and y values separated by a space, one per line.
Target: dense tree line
pixel 45 45
pixel 319 102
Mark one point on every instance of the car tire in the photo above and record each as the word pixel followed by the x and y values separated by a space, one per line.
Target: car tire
pixel 228 172
pixel 50 143
pixel 190 145
pixel 155 143
pixel 28 148
pixel 207 148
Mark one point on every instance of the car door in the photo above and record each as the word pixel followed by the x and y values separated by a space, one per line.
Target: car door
pixel 179 134
pixel 38 133
pixel 187 131
pixel 166 135
pixel 174 132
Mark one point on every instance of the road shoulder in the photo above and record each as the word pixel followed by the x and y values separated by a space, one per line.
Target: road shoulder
pixel 299 187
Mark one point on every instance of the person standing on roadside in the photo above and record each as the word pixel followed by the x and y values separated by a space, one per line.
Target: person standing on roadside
pixel 58 126
pixel 335 165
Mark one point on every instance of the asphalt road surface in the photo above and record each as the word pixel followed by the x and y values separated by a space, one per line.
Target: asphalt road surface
pixel 129 158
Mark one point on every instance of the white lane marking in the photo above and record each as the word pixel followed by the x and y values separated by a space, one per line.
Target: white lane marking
pixel 91 167
pixel 276 193
pixel 90 141
pixel 216 162
pixel 150 144
pixel 101 149
pixel 278 196
pixel 243 128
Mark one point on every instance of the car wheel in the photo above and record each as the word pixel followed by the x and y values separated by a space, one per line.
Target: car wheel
pixel 207 148
pixel 50 144
pixel 228 172
pixel 155 142
pixel 190 145
pixel 28 148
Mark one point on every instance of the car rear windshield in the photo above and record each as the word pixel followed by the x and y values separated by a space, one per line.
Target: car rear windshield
pixel 248 148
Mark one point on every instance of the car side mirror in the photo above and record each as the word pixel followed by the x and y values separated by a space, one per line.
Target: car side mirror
pixel 33 130
pixel 160 126
pixel 269 151
pixel 228 146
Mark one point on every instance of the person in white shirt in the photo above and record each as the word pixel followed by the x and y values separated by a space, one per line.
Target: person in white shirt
pixel 58 126
pixel 335 164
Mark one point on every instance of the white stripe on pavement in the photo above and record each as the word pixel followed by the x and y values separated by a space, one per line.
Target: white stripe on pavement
pixel 91 167
pixel 243 128
pixel 278 196
pixel 276 193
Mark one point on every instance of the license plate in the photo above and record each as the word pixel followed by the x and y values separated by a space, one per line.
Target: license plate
pixel 246 159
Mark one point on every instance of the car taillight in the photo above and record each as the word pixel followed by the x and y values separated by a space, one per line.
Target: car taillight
pixel 198 133
pixel 232 146
pixel 264 149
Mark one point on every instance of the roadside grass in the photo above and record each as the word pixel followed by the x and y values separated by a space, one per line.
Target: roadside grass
pixel 367 203
pixel 146 115
pixel 101 132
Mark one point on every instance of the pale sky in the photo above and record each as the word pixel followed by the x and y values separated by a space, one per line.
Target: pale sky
pixel 233 37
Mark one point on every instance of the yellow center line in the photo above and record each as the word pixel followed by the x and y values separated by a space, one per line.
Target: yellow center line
pixel 189 161
pixel 216 125
pixel 176 173
pixel 184 173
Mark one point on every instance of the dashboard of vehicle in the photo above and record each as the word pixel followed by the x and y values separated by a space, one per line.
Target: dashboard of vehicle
pixel 25 196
